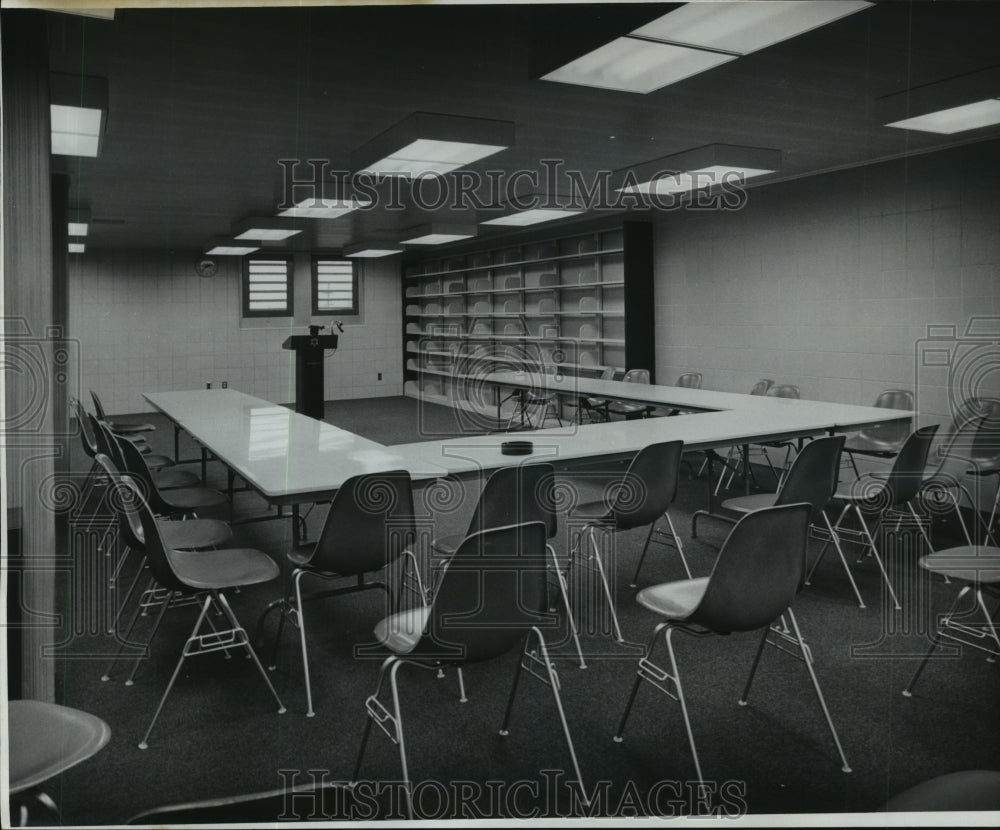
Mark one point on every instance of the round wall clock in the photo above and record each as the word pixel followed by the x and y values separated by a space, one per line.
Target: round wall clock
pixel 206 268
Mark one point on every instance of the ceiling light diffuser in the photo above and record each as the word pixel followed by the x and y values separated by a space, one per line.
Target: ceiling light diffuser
pixel 315 208
pixel 78 107
pixel 264 229
pixel 371 251
pixel 430 143
pixel 79 222
pixel 701 168
pixel 437 234
pixel 745 26
pixel 77 247
pixel 534 216
pixel 634 65
pixel 227 247
pixel 955 119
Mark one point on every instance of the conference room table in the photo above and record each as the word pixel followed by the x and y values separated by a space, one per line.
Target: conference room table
pixel 291 459
pixel 287 458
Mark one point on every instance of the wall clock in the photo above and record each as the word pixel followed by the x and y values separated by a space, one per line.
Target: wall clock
pixel 206 268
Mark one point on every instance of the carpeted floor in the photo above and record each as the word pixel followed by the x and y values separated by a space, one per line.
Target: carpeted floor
pixel 220 734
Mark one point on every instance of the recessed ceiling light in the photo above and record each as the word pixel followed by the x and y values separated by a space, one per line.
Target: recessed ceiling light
pixel 315 208
pixel 954 120
pixel 77 247
pixel 437 234
pixel 78 223
pixel 432 143
pixel 371 251
pixel 78 106
pixel 630 64
pixel 534 216
pixel 226 247
pixel 700 168
pixel 747 25
pixel 264 229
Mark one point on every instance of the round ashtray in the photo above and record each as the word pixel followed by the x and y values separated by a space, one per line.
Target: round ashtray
pixel 517 447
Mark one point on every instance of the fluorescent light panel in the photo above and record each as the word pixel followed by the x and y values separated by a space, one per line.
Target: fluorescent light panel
pixel 747 25
pixel 313 208
pixel 954 120
pixel 78 106
pixel 701 168
pixel 375 249
pixel 534 216
pixel 226 247
pixel 432 143
pixel 77 247
pixel 264 229
pixel 695 38
pixel 437 234
pixel 631 65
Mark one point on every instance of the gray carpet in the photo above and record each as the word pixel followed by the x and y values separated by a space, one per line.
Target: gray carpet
pixel 219 733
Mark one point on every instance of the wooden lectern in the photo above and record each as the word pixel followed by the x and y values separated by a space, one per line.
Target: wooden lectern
pixel 309 352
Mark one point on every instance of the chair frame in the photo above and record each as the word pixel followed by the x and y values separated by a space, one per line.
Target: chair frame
pixel 535 661
pixel 782 633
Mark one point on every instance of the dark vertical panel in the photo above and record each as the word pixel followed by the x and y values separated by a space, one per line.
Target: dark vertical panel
pixel 28 304
pixel 640 310
pixel 62 375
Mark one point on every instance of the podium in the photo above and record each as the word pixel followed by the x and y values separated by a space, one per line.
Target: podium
pixel 309 349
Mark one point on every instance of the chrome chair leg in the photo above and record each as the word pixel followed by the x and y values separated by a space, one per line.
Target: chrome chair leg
pixel 647 652
pixel 835 538
pixel 599 566
pixel 564 592
pixel 878 559
pixel 301 619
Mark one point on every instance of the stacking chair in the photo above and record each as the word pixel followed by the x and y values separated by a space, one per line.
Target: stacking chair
pixel 728 465
pixel 689 380
pixel 44 741
pixel 756 577
pixel 178 502
pixel 513 495
pixel 595 407
pixel 641 498
pixel 122 428
pixel 979 567
pixel 978 420
pixel 784 390
pixel 881 494
pixel 812 479
pixel 189 535
pixel 369 525
pixel 490 601
pixel 209 573
pixel 161 467
pixel 882 440
pixel 545 403
pixel 627 409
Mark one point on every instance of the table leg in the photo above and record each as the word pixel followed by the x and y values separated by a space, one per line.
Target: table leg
pixel 177 443
pixel 746 472
pixel 204 466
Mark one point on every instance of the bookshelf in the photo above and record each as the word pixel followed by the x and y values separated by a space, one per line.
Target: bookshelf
pixel 574 304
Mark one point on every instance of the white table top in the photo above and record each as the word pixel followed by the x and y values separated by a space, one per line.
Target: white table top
pixel 280 453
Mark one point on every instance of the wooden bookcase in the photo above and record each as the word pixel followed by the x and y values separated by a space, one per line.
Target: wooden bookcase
pixel 576 303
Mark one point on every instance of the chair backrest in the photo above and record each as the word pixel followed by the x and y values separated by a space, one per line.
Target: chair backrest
pixel 813 475
pixel 491 593
pixel 129 523
pixel 758 572
pixel 370 523
pixel 761 386
pixel 134 465
pixel 107 442
pixel 649 485
pixel 636 376
pixel 514 495
pixel 894 432
pixel 86 429
pixel 98 406
pixel 783 390
pixel 977 421
pixel 907 473
pixel 134 506
pixel 689 380
pixel 608 373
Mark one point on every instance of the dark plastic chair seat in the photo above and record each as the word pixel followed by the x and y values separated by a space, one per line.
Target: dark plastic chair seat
pixel 185 499
pixel 194 533
pixel 675 600
pixel 977 789
pixel 593 511
pixel 47 739
pixel 172 479
pixel 157 461
pixel 868 445
pixel 220 569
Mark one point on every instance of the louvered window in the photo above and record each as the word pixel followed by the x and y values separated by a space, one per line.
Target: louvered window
pixel 267 287
pixel 334 286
